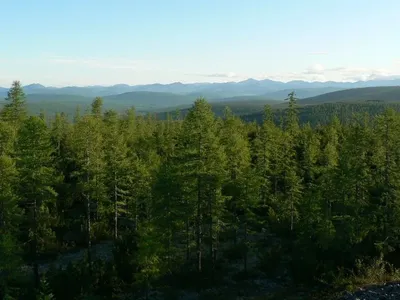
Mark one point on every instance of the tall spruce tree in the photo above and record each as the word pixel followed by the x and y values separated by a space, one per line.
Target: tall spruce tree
pixel 86 144
pixel 240 185
pixel 203 166
pixel 14 111
pixel 37 178
pixel 117 168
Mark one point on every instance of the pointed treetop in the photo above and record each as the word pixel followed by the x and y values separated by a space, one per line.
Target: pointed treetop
pixel 97 106
pixel 15 110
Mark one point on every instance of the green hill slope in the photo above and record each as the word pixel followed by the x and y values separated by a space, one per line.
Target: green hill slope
pixel 301 92
pixel 344 104
pixel 240 108
pixel 142 101
pixel 145 101
pixel 384 93
pixel 323 113
pixel 242 99
pixel 53 103
pixel 57 98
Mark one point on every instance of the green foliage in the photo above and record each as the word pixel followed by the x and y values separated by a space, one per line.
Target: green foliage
pixel 10 259
pixel 14 111
pixel 195 199
pixel 37 177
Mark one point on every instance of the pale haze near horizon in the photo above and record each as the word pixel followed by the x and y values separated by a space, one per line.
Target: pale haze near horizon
pixel 59 43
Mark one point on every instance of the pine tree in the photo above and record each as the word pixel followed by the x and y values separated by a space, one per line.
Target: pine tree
pixel 9 210
pixel 266 156
pixel 386 157
pixel 14 110
pixel 6 138
pixel 240 183
pixel 117 166
pixel 291 180
pixel 86 143
pixel 203 160
pixel 37 178
pixel 291 117
pixel 168 209
pixel 10 261
pixel 60 129
pixel 8 180
pixel 97 107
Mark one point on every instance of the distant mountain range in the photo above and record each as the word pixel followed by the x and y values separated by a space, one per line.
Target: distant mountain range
pixel 268 88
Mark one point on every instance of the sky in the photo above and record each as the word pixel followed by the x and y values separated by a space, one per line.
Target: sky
pixel 102 42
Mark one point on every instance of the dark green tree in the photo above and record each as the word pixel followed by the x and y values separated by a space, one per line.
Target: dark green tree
pixel 37 178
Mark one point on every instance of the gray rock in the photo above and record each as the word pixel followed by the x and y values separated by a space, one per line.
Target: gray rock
pixel 388 291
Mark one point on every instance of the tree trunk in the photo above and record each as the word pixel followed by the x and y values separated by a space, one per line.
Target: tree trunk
pixel 169 233
pixel 211 246
pixel 216 244
pixel 199 213
pixel 211 249
pixel 246 248
pixel 115 207
pixel 2 217
pixel 88 233
pixel 187 239
pixel 34 248
pixel 199 240
pixel 387 165
pixel 199 227
pixel 235 235
pixel 291 213
pixel 88 216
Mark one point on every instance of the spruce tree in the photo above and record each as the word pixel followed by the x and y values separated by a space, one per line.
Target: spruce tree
pixel 240 185
pixel 202 163
pixel 37 178
pixel 117 167
pixel 86 146
pixel 14 111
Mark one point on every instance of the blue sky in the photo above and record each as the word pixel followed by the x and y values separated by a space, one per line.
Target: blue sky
pixel 135 42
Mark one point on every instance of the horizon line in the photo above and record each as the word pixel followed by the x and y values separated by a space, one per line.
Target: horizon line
pixel 206 82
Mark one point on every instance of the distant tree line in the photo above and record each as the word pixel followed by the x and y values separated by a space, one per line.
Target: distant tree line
pixel 322 114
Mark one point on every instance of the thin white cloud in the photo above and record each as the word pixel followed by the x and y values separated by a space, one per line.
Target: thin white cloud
pixel 343 73
pixel 317 72
pixel 355 74
pixel 336 69
pixel 316 69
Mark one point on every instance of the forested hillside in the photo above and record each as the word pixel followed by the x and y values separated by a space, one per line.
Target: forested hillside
pixel 380 93
pixel 237 106
pixel 144 102
pixel 193 206
pixel 322 114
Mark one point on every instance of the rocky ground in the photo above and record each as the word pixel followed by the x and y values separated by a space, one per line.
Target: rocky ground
pixel 388 291
pixel 102 250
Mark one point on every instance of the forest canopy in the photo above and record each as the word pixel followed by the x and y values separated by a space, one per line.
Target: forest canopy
pixel 191 200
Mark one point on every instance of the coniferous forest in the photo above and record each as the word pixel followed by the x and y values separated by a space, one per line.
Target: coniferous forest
pixel 192 203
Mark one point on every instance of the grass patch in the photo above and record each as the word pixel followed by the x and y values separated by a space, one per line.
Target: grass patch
pixel 366 273
pixel 375 272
